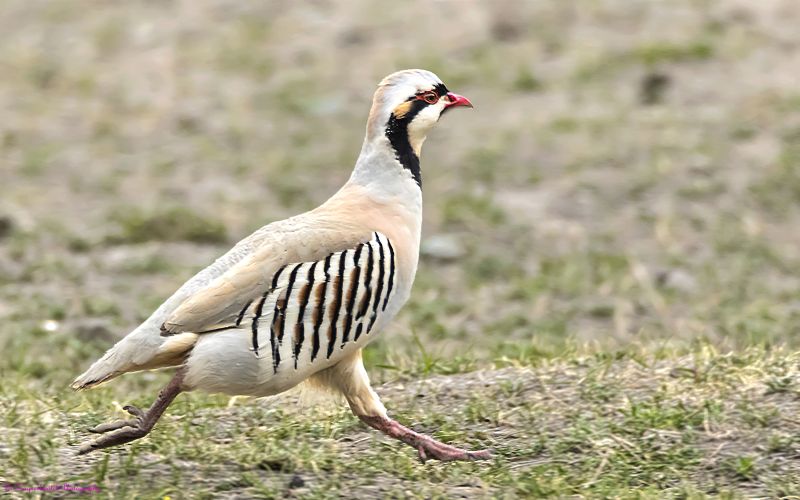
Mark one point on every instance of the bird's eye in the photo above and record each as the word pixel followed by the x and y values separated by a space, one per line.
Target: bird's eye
pixel 430 97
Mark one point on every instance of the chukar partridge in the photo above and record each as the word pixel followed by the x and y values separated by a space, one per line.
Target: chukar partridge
pixel 300 298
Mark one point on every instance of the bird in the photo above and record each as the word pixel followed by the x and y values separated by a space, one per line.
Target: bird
pixel 299 299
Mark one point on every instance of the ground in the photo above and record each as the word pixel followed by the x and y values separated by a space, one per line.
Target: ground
pixel 608 292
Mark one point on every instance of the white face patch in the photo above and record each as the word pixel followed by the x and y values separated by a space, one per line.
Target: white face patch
pixel 422 123
pixel 397 95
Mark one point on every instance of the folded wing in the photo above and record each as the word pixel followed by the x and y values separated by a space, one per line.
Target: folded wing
pixel 296 311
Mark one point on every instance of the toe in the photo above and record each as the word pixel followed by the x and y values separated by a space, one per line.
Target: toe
pixel 120 436
pixel 86 448
pixel 136 412
pixel 110 426
pixel 479 455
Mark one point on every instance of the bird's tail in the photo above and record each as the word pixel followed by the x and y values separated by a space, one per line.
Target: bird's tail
pixel 102 370
pixel 141 350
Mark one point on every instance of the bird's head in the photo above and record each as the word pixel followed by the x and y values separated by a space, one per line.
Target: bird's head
pixel 407 105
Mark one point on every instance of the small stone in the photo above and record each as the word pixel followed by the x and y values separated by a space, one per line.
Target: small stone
pixel 296 482
pixel 676 279
pixel 271 464
pixel 443 247
pixel 653 87
pixel 506 30
pixel 6 225
pixel 50 325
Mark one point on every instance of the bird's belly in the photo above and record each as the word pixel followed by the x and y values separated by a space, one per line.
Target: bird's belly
pixel 226 361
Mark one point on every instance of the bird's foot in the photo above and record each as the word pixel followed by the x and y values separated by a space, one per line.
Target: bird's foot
pixel 426 446
pixel 131 422
pixel 431 448
pixel 125 431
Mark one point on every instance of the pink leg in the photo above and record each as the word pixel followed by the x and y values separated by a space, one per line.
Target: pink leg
pixel 425 445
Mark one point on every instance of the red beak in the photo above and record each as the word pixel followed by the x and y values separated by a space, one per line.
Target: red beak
pixel 457 100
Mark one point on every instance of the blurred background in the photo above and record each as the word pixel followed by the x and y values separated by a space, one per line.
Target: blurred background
pixel 629 173
pixel 629 177
pixel 628 183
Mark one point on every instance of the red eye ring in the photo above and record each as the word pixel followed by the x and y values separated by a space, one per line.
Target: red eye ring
pixel 430 97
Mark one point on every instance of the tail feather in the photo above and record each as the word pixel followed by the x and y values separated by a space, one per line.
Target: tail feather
pixel 102 370
pixel 131 355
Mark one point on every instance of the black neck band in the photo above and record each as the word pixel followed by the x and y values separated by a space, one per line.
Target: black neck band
pixel 397 133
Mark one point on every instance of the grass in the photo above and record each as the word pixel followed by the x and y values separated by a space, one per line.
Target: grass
pixel 585 424
pixel 616 313
pixel 649 55
pixel 172 224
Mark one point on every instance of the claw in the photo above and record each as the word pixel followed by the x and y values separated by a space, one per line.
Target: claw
pixel 133 410
pixel 447 453
pixel 85 448
pixel 422 456
pixel 480 455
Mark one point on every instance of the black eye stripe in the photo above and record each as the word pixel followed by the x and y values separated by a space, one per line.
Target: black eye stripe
pixel 440 90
